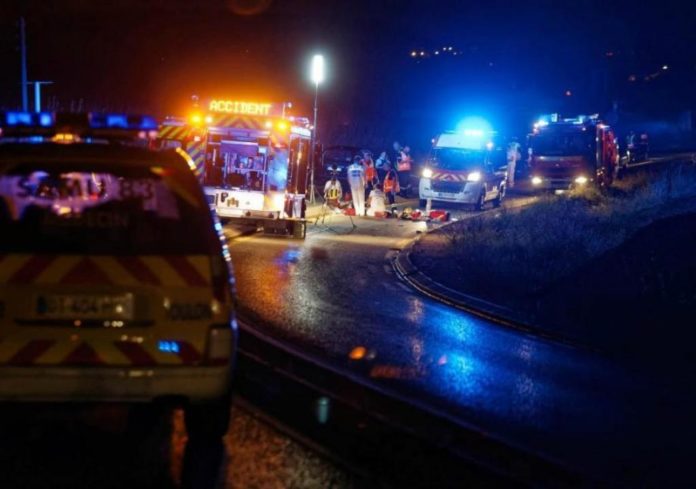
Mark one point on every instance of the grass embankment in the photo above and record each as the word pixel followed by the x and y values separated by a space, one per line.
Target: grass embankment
pixel 566 262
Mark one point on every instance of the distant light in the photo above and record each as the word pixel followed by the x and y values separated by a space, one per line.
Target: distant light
pixel 196 119
pixel 209 119
pixel 489 145
pixel 536 180
pixel 568 93
pixel 64 137
pixel 427 173
pixel 317 69
pixel 45 119
pixel 609 54
pixel 632 78
pixel 357 353
pixel 422 53
pixel 581 180
pixel 665 67
pixel 282 126
pixel 414 54
pixel 437 52
pixel 269 124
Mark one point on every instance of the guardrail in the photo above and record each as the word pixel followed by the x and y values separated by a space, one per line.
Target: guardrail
pixel 375 429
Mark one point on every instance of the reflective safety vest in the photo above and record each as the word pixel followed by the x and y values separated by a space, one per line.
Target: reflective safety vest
pixel 370 173
pixel 333 192
pixel 404 164
pixel 391 182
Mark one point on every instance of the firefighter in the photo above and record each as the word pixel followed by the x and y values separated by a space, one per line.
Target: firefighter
pixel 380 165
pixel 371 178
pixel 391 186
pixel 356 180
pixel 513 154
pixel 403 168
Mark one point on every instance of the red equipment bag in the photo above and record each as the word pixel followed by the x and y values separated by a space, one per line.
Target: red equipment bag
pixel 439 216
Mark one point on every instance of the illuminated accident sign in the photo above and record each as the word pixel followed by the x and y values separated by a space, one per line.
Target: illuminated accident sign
pixel 239 107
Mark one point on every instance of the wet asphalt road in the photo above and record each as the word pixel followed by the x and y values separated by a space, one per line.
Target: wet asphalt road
pixel 336 291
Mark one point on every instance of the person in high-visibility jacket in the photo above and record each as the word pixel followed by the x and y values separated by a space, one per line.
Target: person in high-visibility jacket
pixel 391 186
pixel 356 180
pixel 371 179
pixel 333 192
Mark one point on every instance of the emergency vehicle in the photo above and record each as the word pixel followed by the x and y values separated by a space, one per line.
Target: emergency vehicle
pixel 252 160
pixel 564 153
pixel 464 167
pixel 115 280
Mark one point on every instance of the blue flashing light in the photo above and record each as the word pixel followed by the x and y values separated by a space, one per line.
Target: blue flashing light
pixel 45 119
pixel 18 118
pixel 168 346
pixel 28 119
pixel 123 121
pixel 474 127
pixel 148 123
pixel 117 120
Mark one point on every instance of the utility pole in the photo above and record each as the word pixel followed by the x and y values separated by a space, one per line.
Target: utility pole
pixel 37 93
pixel 23 49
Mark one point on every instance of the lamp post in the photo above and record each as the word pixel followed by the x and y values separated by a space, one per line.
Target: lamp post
pixel 317 76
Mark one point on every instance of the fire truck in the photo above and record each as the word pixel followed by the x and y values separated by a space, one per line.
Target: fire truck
pixel 572 152
pixel 251 159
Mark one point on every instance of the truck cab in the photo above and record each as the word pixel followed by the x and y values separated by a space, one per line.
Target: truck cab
pixel 464 168
pixel 571 153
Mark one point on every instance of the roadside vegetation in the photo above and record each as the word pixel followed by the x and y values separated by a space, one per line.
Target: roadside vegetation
pixel 533 260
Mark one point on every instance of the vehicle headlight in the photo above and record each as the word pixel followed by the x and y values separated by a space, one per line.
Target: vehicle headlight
pixel 278 201
pixel 536 180
pixel 581 180
pixel 427 173
pixel 474 176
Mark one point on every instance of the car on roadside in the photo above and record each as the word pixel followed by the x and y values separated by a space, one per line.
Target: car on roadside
pixel 115 281
pixel 337 159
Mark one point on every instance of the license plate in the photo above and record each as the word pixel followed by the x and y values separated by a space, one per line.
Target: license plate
pixel 64 306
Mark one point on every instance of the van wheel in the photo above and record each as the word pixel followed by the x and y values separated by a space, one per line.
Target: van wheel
pixel 499 198
pixel 481 201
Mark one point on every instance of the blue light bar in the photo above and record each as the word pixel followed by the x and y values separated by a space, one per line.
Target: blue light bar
pixel 122 121
pixel 83 125
pixel 28 119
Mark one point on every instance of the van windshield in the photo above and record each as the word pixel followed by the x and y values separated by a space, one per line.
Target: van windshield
pixel 458 159
pixel 117 210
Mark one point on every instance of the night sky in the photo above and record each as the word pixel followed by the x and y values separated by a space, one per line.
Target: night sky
pixel 511 61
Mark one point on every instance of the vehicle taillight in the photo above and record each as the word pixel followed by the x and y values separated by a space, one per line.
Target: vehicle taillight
pixel 221 341
pixel 222 290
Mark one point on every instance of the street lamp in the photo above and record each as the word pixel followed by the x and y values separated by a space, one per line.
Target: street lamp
pixel 317 76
